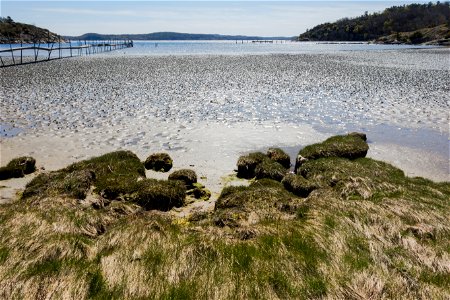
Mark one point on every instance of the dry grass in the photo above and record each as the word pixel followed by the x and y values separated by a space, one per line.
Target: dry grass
pixel 366 232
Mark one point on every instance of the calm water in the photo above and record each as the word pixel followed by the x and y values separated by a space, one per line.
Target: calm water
pixel 218 47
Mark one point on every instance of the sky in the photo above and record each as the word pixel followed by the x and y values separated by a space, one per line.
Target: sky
pixel 262 18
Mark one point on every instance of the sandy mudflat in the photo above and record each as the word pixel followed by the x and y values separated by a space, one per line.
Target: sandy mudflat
pixel 207 110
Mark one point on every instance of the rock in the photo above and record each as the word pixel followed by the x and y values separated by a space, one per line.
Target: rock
pixel 281 157
pixel 345 146
pixel 160 162
pixel 18 167
pixel 298 185
pixel 199 192
pixel 187 176
pixel 247 164
pixel 10 172
pixel 270 169
pixel 115 174
pixel 158 194
pixel 300 160
pixel 77 183
pixel 359 134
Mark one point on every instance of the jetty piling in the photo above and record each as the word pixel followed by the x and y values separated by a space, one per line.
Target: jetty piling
pixel 60 49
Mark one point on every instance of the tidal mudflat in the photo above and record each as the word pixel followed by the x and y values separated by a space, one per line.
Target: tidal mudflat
pixel 205 110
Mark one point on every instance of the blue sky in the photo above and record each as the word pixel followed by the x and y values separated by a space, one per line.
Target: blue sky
pixel 265 18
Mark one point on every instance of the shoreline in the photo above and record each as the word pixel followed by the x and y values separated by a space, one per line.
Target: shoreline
pixel 208 149
pixel 206 110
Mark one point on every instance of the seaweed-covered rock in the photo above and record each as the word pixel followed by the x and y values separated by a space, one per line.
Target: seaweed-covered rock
pixel 361 135
pixel 199 191
pixel 26 163
pixel 10 172
pixel 112 174
pixel 298 185
pixel 240 205
pixel 270 169
pixel 158 194
pixel 247 164
pixel 345 146
pixel 18 167
pixel 189 177
pixel 281 157
pixel 160 162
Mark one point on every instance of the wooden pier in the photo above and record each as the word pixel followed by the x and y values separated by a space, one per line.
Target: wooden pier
pixel 33 53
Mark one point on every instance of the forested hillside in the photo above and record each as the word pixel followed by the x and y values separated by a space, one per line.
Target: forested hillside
pixel 397 19
pixel 15 32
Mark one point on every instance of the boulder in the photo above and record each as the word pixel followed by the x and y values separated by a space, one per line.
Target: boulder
pixel 18 167
pixel 158 194
pixel 270 169
pixel 345 146
pixel 247 164
pixel 281 157
pixel 361 135
pixel 160 162
pixel 298 185
pixel 188 177
pixel 199 192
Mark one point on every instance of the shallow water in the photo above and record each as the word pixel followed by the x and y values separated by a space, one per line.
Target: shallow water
pixel 135 100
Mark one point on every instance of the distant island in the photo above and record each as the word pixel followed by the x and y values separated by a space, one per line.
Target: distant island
pixel 173 36
pixel 14 32
pixel 408 24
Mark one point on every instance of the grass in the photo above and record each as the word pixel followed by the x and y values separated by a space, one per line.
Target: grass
pixel 366 231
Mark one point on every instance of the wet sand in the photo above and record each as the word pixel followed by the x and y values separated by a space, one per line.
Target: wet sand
pixel 207 110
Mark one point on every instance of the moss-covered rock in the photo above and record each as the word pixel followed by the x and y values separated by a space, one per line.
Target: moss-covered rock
pixel 263 198
pixel 298 185
pixel 362 178
pixel 361 135
pixel 247 164
pixel 158 194
pixel 160 162
pixel 18 167
pixel 112 174
pixel 188 177
pixel 270 169
pixel 116 175
pixel 10 172
pixel 281 157
pixel 345 146
pixel 198 191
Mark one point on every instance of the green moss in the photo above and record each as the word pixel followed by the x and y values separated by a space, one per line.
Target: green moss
pixel 346 146
pixel 247 164
pixel 199 192
pixel 160 162
pixel 112 174
pixel 188 177
pixel 279 156
pixel 359 179
pixel 157 194
pixel 298 185
pixel 18 167
pixel 270 169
